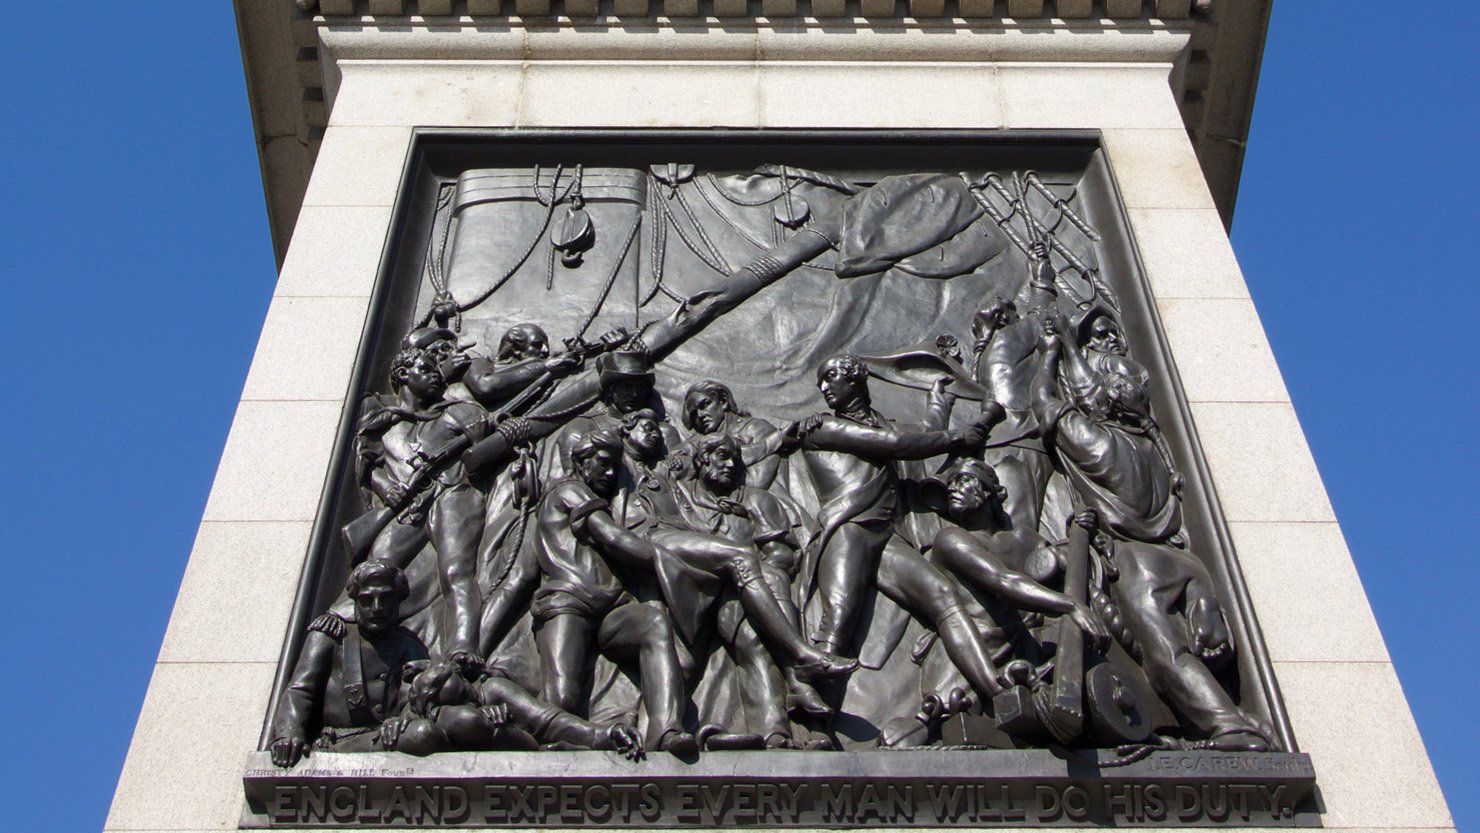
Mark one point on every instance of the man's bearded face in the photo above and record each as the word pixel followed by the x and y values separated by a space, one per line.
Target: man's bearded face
pixel 627 395
pixel 1127 398
pixel 1104 337
pixel 377 608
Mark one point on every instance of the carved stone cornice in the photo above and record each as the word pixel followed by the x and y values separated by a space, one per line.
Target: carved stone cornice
pixel 283 46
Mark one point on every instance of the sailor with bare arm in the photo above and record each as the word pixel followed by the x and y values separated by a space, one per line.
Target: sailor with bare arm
pixel 582 605
pixel 420 490
pixel 1006 362
pixel 978 542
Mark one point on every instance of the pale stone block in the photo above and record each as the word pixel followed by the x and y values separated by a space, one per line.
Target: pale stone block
pixel 927 8
pixel 307 349
pixel 275 460
pixel 184 767
pixel 878 95
pixel 336 252
pixel 488 7
pixel 1262 468
pixel 580 8
pixel 659 45
pixel 1221 351
pixel 829 8
pixel 359 166
pixel 483 93
pixel 730 8
pixel 1370 761
pixel 1186 253
pixel 388 7
pixel 878 8
pixel 978 8
pixel 778 8
pixel 532 8
pixel 1074 8
pixel 681 8
pixel 639 95
pixel 237 593
pixel 1122 8
pixel 1157 169
pixel 336 8
pixel 1088 95
pixel 1172 9
pixel 1025 8
pixel 1307 594
pixel 430 8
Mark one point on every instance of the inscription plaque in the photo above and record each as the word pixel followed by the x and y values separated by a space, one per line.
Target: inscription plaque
pixel 774 479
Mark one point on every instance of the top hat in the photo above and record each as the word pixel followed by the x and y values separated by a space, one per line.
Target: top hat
pixel 623 365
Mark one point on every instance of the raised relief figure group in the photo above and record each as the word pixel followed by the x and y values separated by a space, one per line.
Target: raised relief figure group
pixel 548 556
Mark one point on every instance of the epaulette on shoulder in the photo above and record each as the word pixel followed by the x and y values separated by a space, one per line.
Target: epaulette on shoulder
pixel 331 625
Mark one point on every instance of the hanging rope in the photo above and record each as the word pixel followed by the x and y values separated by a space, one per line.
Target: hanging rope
pixel 534 241
pixel 611 278
pixel 688 211
pixel 719 267
pixel 744 233
pixel 437 261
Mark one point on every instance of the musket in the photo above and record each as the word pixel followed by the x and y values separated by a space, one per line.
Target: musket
pixel 359 535
pixel 576 346
pixel 660 337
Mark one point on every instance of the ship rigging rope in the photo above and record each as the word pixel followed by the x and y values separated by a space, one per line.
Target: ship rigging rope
pixel 611 278
pixel 534 241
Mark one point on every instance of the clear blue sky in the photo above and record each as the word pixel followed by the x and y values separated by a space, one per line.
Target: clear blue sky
pixel 137 270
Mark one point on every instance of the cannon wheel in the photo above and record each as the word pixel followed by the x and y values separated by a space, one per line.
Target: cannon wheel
pixel 1118 707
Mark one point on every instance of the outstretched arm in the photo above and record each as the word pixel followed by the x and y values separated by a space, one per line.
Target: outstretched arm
pixel 1041 277
pixel 493 386
pixel 833 434
pixel 1046 400
pixel 618 541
